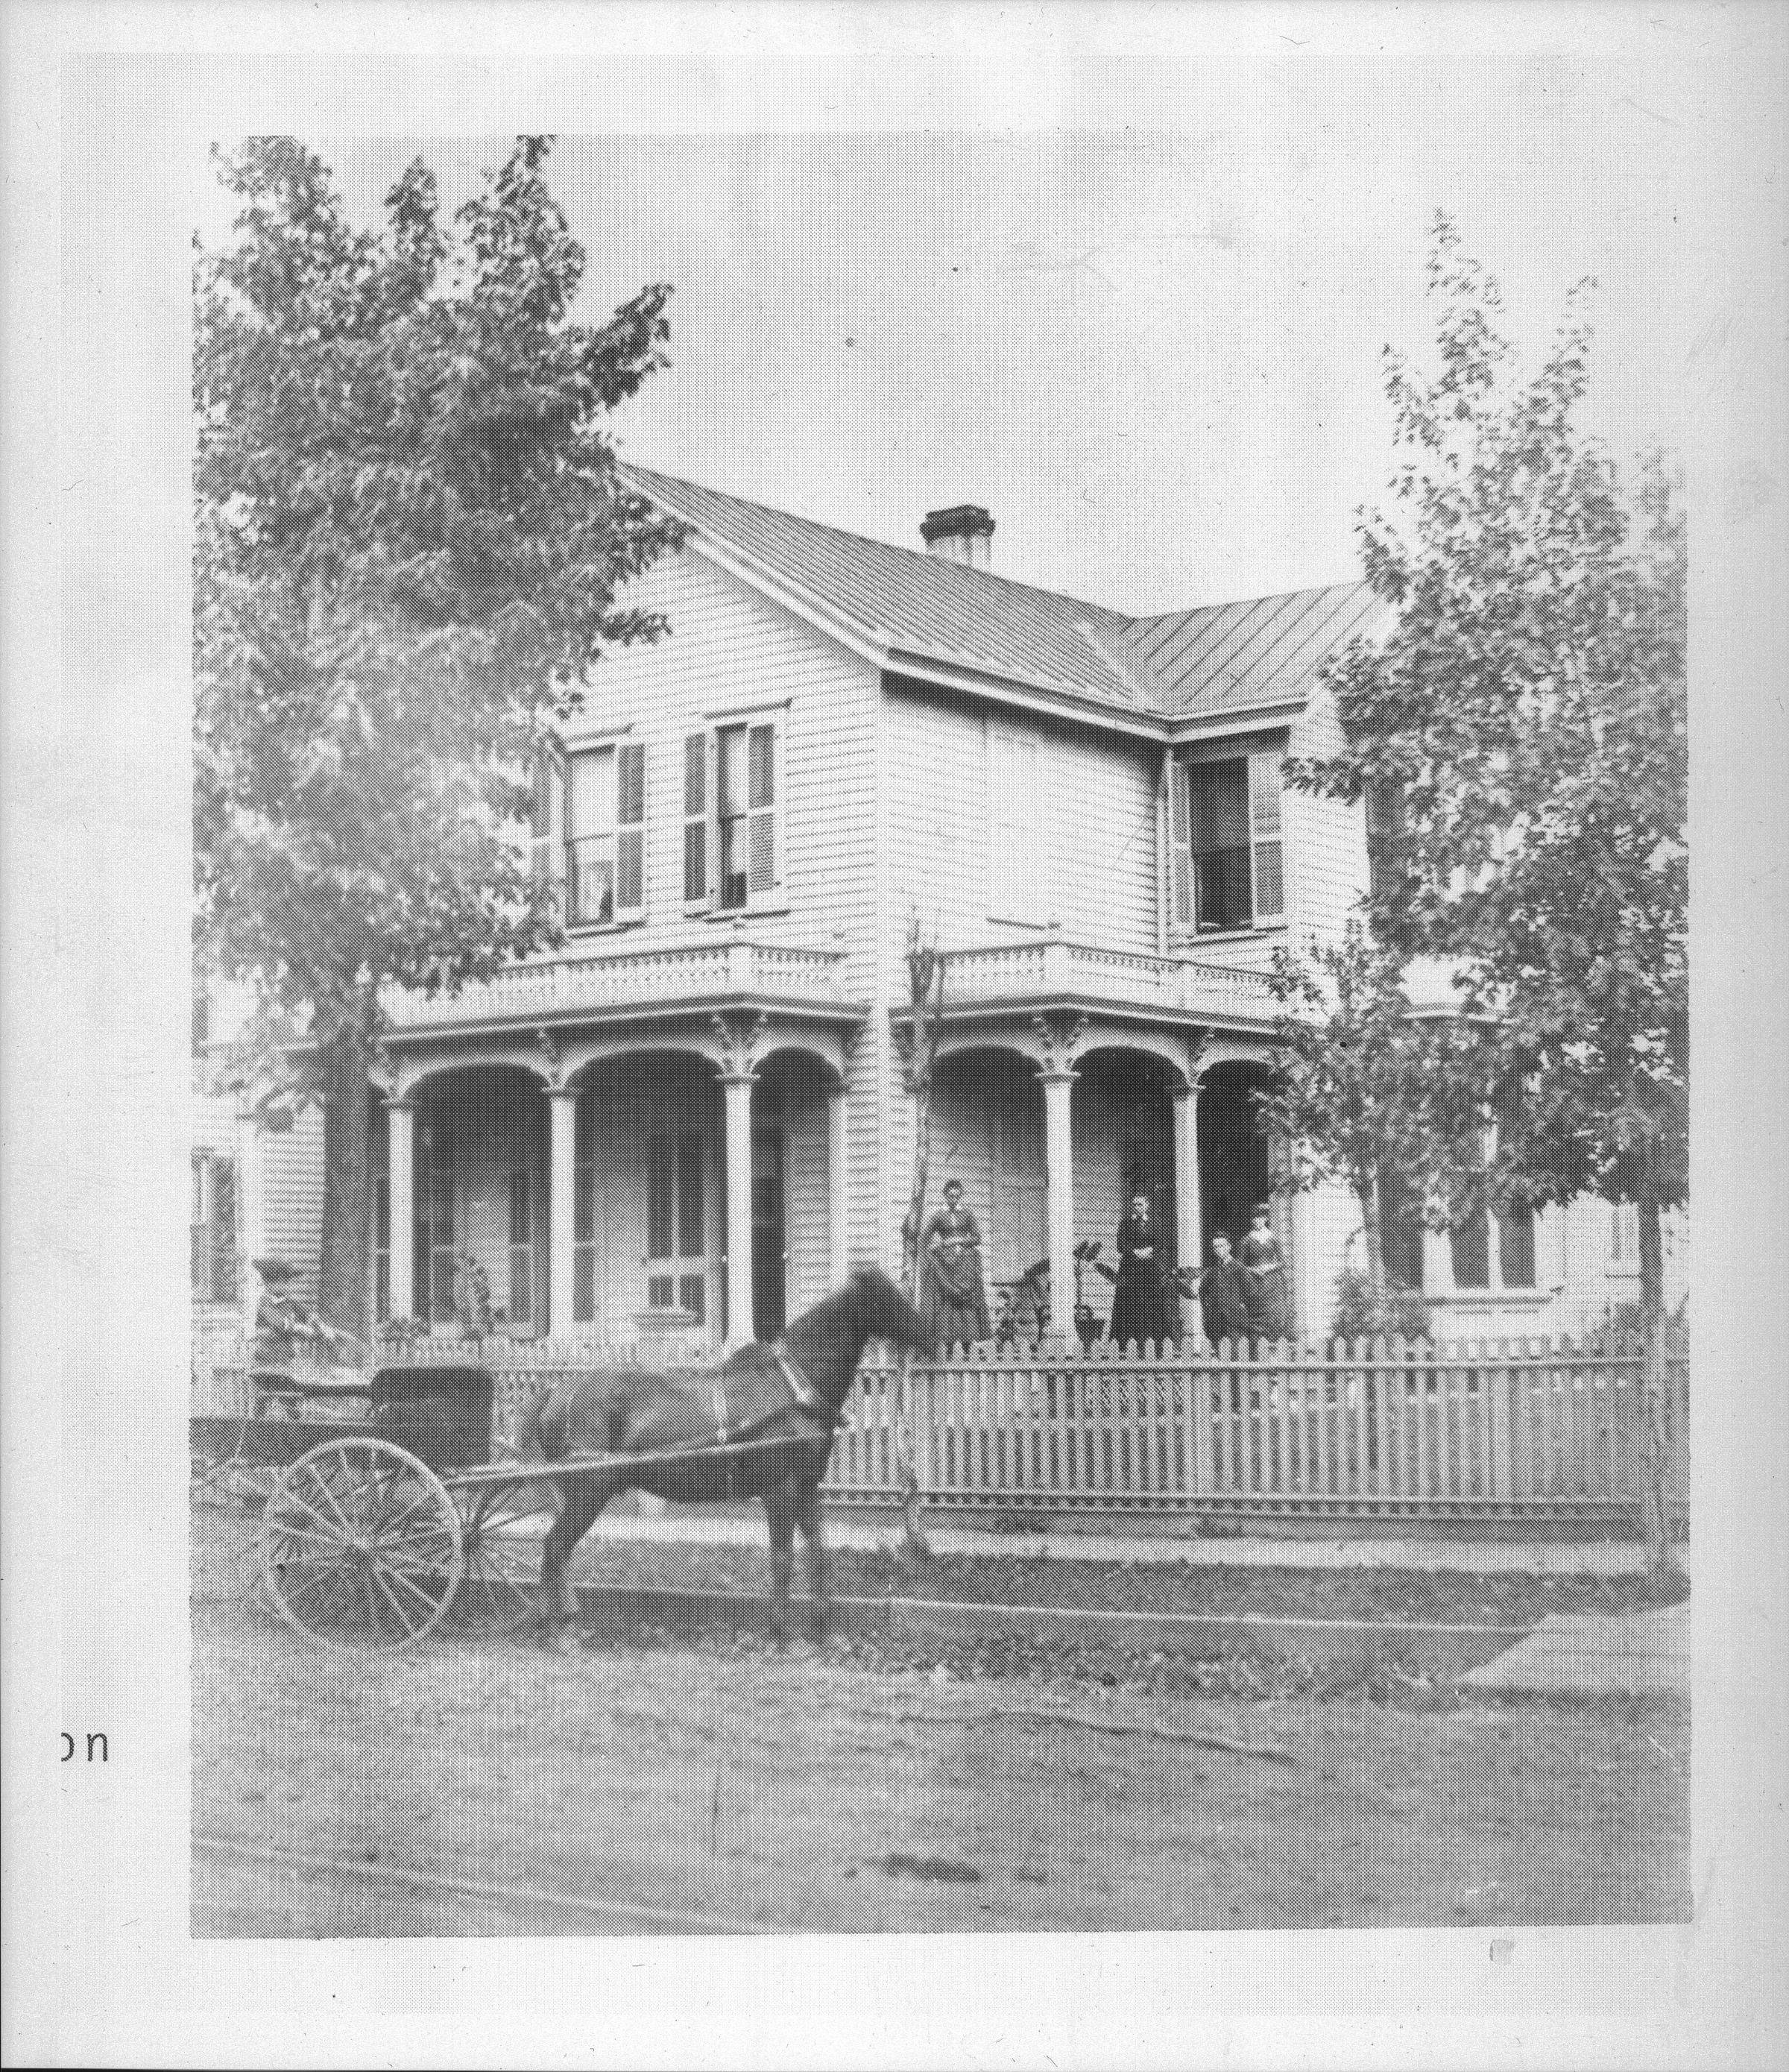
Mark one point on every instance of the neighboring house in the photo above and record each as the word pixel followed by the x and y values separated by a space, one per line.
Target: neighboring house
pixel 692 1119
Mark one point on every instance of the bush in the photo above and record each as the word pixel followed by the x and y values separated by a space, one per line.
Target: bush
pixel 1363 1312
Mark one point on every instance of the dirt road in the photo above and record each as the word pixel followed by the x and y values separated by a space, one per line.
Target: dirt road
pixel 490 1789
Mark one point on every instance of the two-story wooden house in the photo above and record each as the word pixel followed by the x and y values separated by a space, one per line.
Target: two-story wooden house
pixel 693 1118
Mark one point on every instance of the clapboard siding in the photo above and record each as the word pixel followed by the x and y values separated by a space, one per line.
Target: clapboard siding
pixel 1094 809
pixel 727 648
pixel 292 1195
pixel 1326 840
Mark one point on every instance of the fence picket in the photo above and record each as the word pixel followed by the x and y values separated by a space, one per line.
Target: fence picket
pixel 1537 1421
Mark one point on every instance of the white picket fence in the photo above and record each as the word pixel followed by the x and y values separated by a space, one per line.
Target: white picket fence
pixel 1519 1429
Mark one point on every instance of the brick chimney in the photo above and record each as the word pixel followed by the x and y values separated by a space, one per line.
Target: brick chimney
pixel 963 533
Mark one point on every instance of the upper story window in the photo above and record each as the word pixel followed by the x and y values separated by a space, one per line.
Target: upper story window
pixel 1387 834
pixel 1228 871
pixel 606 835
pixel 733 819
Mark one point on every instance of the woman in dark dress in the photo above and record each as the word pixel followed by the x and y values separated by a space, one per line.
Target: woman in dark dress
pixel 1260 1253
pixel 1224 1289
pixel 1140 1301
pixel 951 1297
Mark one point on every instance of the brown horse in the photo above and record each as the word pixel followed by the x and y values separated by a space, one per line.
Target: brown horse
pixel 774 1408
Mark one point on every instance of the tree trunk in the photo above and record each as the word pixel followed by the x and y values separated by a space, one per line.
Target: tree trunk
pixel 1663 1578
pixel 341 1288
pixel 1369 1198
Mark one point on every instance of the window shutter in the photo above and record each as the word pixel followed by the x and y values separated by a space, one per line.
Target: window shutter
pixel 1180 840
pixel 1264 832
pixel 696 820
pixel 630 829
pixel 761 829
pixel 1016 890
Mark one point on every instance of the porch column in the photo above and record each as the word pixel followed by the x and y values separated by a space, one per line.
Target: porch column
pixel 250 1197
pixel 400 1191
pixel 1437 1262
pixel 1059 1175
pixel 561 1209
pixel 837 1222
pixel 1187 1215
pixel 738 1086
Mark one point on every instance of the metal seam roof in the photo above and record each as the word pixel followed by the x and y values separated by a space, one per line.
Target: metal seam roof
pixel 1203 662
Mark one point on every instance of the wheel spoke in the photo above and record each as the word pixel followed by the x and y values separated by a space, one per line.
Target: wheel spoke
pixel 409 1625
pixel 409 1583
pixel 336 1532
pixel 322 1480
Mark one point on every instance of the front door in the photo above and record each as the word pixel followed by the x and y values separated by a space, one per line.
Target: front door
pixel 767 1233
pixel 676 1223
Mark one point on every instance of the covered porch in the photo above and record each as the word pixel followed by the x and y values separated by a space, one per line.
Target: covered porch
pixel 1054 1123
pixel 678 1182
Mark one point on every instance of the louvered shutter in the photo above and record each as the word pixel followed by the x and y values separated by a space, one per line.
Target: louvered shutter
pixel 547 851
pixel 1017 889
pixel 760 830
pixel 1264 833
pixel 1180 843
pixel 630 830
pixel 696 820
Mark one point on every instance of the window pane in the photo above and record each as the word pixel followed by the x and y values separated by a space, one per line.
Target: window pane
pixel 1470 1246
pixel 1221 888
pixel 1218 798
pixel 659 1187
pixel 764 766
pixel 732 862
pixel 1218 801
pixel 592 800
pixel 661 1292
pixel 734 788
pixel 691 1220
pixel 521 1302
pixel 1400 1230
pixel 594 879
pixel 692 1295
pixel 521 1210
pixel 1516 1247
pixel 584 1285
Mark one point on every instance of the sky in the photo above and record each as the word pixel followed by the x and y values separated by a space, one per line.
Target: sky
pixel 1155 355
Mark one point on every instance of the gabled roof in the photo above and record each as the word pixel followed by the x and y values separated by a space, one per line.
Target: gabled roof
pixel 915 609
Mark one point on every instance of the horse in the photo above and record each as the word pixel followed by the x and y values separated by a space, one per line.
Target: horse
pixel 775 1406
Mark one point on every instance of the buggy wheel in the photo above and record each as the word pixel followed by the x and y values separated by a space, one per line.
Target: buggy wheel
pixel 502 1527
pixel 360 1545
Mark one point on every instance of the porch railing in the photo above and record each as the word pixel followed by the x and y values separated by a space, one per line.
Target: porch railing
pixel 1516 1430
pixel 642 979
pixel 1052 968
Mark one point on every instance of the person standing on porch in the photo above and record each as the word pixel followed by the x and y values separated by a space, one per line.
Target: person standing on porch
pixel 951 1297
pixel 1224 1289
pixel 1260 1253
pixel 1139 1300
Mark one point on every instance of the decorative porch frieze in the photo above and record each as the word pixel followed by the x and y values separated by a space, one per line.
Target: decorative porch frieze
pixel 739 1040
pixel 1058 1038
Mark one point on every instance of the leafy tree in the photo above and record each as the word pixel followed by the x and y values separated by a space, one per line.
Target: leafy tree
pixel 410 534
pixel 1520 736
pixel 1355 1094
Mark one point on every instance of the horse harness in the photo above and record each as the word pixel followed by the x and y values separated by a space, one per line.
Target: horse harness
pixel 803 1396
